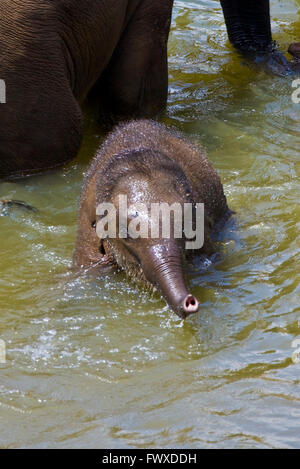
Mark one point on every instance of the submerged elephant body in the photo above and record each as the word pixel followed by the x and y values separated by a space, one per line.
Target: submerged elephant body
pixel 148 164
pixel 53 52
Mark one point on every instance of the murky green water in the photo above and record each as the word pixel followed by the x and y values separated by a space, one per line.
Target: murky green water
pixel 99 364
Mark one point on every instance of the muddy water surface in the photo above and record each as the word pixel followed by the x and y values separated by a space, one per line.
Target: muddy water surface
pixel 97 363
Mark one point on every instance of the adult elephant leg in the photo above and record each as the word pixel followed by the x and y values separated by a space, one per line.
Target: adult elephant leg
pixel 39 131
pixel 135 83
pixel 248 24
pixel 249 30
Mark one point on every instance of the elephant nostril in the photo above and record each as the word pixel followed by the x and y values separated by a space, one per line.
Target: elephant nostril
pixel 190 305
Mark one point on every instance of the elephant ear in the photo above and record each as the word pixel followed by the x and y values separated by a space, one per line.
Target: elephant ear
pixel 294 50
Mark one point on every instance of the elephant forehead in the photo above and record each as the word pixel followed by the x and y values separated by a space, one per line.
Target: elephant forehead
pixel 140 190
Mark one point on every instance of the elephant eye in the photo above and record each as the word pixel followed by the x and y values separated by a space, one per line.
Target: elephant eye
pixel 93 224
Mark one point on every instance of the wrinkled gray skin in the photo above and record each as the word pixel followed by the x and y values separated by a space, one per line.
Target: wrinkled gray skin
pixel 148 163
pixel 53 52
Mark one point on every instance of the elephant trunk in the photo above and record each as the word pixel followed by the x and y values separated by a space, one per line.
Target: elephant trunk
pixel 163 268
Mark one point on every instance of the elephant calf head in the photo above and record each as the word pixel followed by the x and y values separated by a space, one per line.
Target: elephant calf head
pixel 141 209
pixel 143 180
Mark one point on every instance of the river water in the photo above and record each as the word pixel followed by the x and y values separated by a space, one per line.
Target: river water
pixel 98 363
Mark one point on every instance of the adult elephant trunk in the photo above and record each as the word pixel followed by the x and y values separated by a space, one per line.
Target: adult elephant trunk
pixel 163 268
pixel 248 25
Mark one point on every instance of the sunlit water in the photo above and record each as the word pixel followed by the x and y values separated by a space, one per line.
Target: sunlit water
pixel 97 363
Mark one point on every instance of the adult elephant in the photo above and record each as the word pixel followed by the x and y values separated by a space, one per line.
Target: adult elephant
pixel 248 25
pixel 53 52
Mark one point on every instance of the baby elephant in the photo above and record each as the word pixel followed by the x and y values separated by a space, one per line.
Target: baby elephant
pixel 142 166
